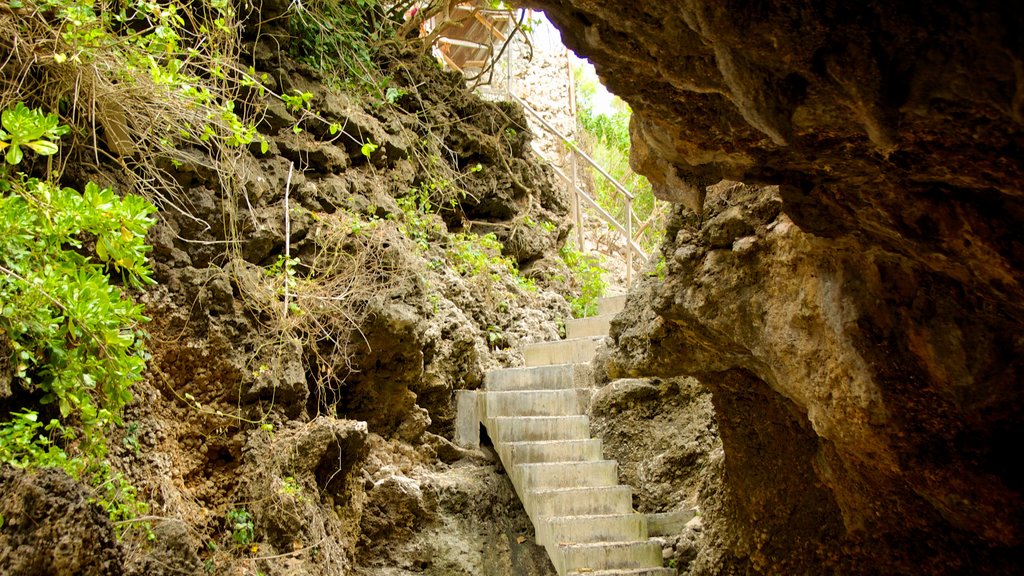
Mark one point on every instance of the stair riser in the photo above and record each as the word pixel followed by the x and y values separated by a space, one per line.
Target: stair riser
pixel 605 500
pixel 534 430
pixel 565 451
pixel 563 352
pixel 553 377
pixel 532 403
pixel 569 475
pixel 588 327
pixel 612 305
pixel 597 529
pixel 627 572
pixel 638 555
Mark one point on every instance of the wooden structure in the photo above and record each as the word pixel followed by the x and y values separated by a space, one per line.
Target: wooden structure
pixel 472 35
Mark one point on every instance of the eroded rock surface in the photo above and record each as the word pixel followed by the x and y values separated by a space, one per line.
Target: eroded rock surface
pixel 856 426
pixel 858 321
pixel 51 527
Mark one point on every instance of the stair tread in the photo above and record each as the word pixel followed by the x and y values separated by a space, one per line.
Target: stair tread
pixel 551 442
pixel 620 544
pixel 652 571
pixel 612 555
pixel 617 487
pixel 539 418
pixel 585 517
pixel 530 392
pixel 556 343
pixel 568 463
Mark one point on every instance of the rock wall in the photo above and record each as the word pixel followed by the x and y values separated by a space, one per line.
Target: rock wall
pixel 857 321
pixel 311 439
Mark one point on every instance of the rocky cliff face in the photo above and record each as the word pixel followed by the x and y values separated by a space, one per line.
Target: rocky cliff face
pixel 858 320
pixel 318 303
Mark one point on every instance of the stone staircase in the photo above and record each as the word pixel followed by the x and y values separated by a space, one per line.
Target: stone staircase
pixel 535 416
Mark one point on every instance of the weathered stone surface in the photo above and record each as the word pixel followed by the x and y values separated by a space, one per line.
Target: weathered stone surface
pixel 897 122
pixel 857 325
pixel 51 526
pixel 864 401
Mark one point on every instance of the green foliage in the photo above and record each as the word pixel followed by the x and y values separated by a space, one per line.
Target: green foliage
pixel 368 148
pixel 475 256
pixel 660 268
pixel 339 39
pixel 590 275
pixel 75 336
pixel 393 94
pixel 165 64
pixel 467 254
pixel 31 128
pixel 417 222
pixel 298 101
pixel 290 487
pixel 242 527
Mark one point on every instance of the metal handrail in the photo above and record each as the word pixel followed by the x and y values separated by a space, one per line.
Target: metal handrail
pixel 604 214
pixel 573 146
pixel 626 231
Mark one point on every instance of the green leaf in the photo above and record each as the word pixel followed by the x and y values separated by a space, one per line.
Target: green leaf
pixel 43 147
pixel 368 149
pixel 14 155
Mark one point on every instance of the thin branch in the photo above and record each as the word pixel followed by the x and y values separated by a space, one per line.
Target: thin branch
pixel 287 238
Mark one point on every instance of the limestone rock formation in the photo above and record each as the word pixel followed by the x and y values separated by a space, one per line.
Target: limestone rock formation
pixel 858 320
pixel 52 526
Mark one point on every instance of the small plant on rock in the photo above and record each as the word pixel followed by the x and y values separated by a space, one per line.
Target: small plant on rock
pixel 590 276
pixel 242 527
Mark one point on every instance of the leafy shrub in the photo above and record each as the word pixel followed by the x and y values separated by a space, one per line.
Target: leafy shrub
pixel 74 334
pixel 590 275
pixel 243 529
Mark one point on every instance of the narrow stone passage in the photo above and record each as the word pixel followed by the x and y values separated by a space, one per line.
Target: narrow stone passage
pixel 536 417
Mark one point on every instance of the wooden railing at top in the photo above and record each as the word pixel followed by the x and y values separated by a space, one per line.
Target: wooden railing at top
pixel 627 229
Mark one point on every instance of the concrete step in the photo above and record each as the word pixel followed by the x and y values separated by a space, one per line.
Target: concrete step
pixel 536 428
pixel 605 528
pixel 586 327
pixel 565 402
pixel 550 377
pixel 515 453
pixel 561 351
pixel 605 556
pixel 627 572
pixel 552 475
pixel 611 305
pixel 579 501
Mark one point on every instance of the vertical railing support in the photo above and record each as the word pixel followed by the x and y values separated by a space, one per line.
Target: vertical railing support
pixel 572 155
pixel 629 242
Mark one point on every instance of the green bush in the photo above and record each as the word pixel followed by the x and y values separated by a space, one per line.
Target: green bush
pixel 75 338
pixel 243 528
pixel 589 273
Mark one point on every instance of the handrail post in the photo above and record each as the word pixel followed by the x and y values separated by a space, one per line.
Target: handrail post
pixel 629 242
pixel 572 155
pixel 576 202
